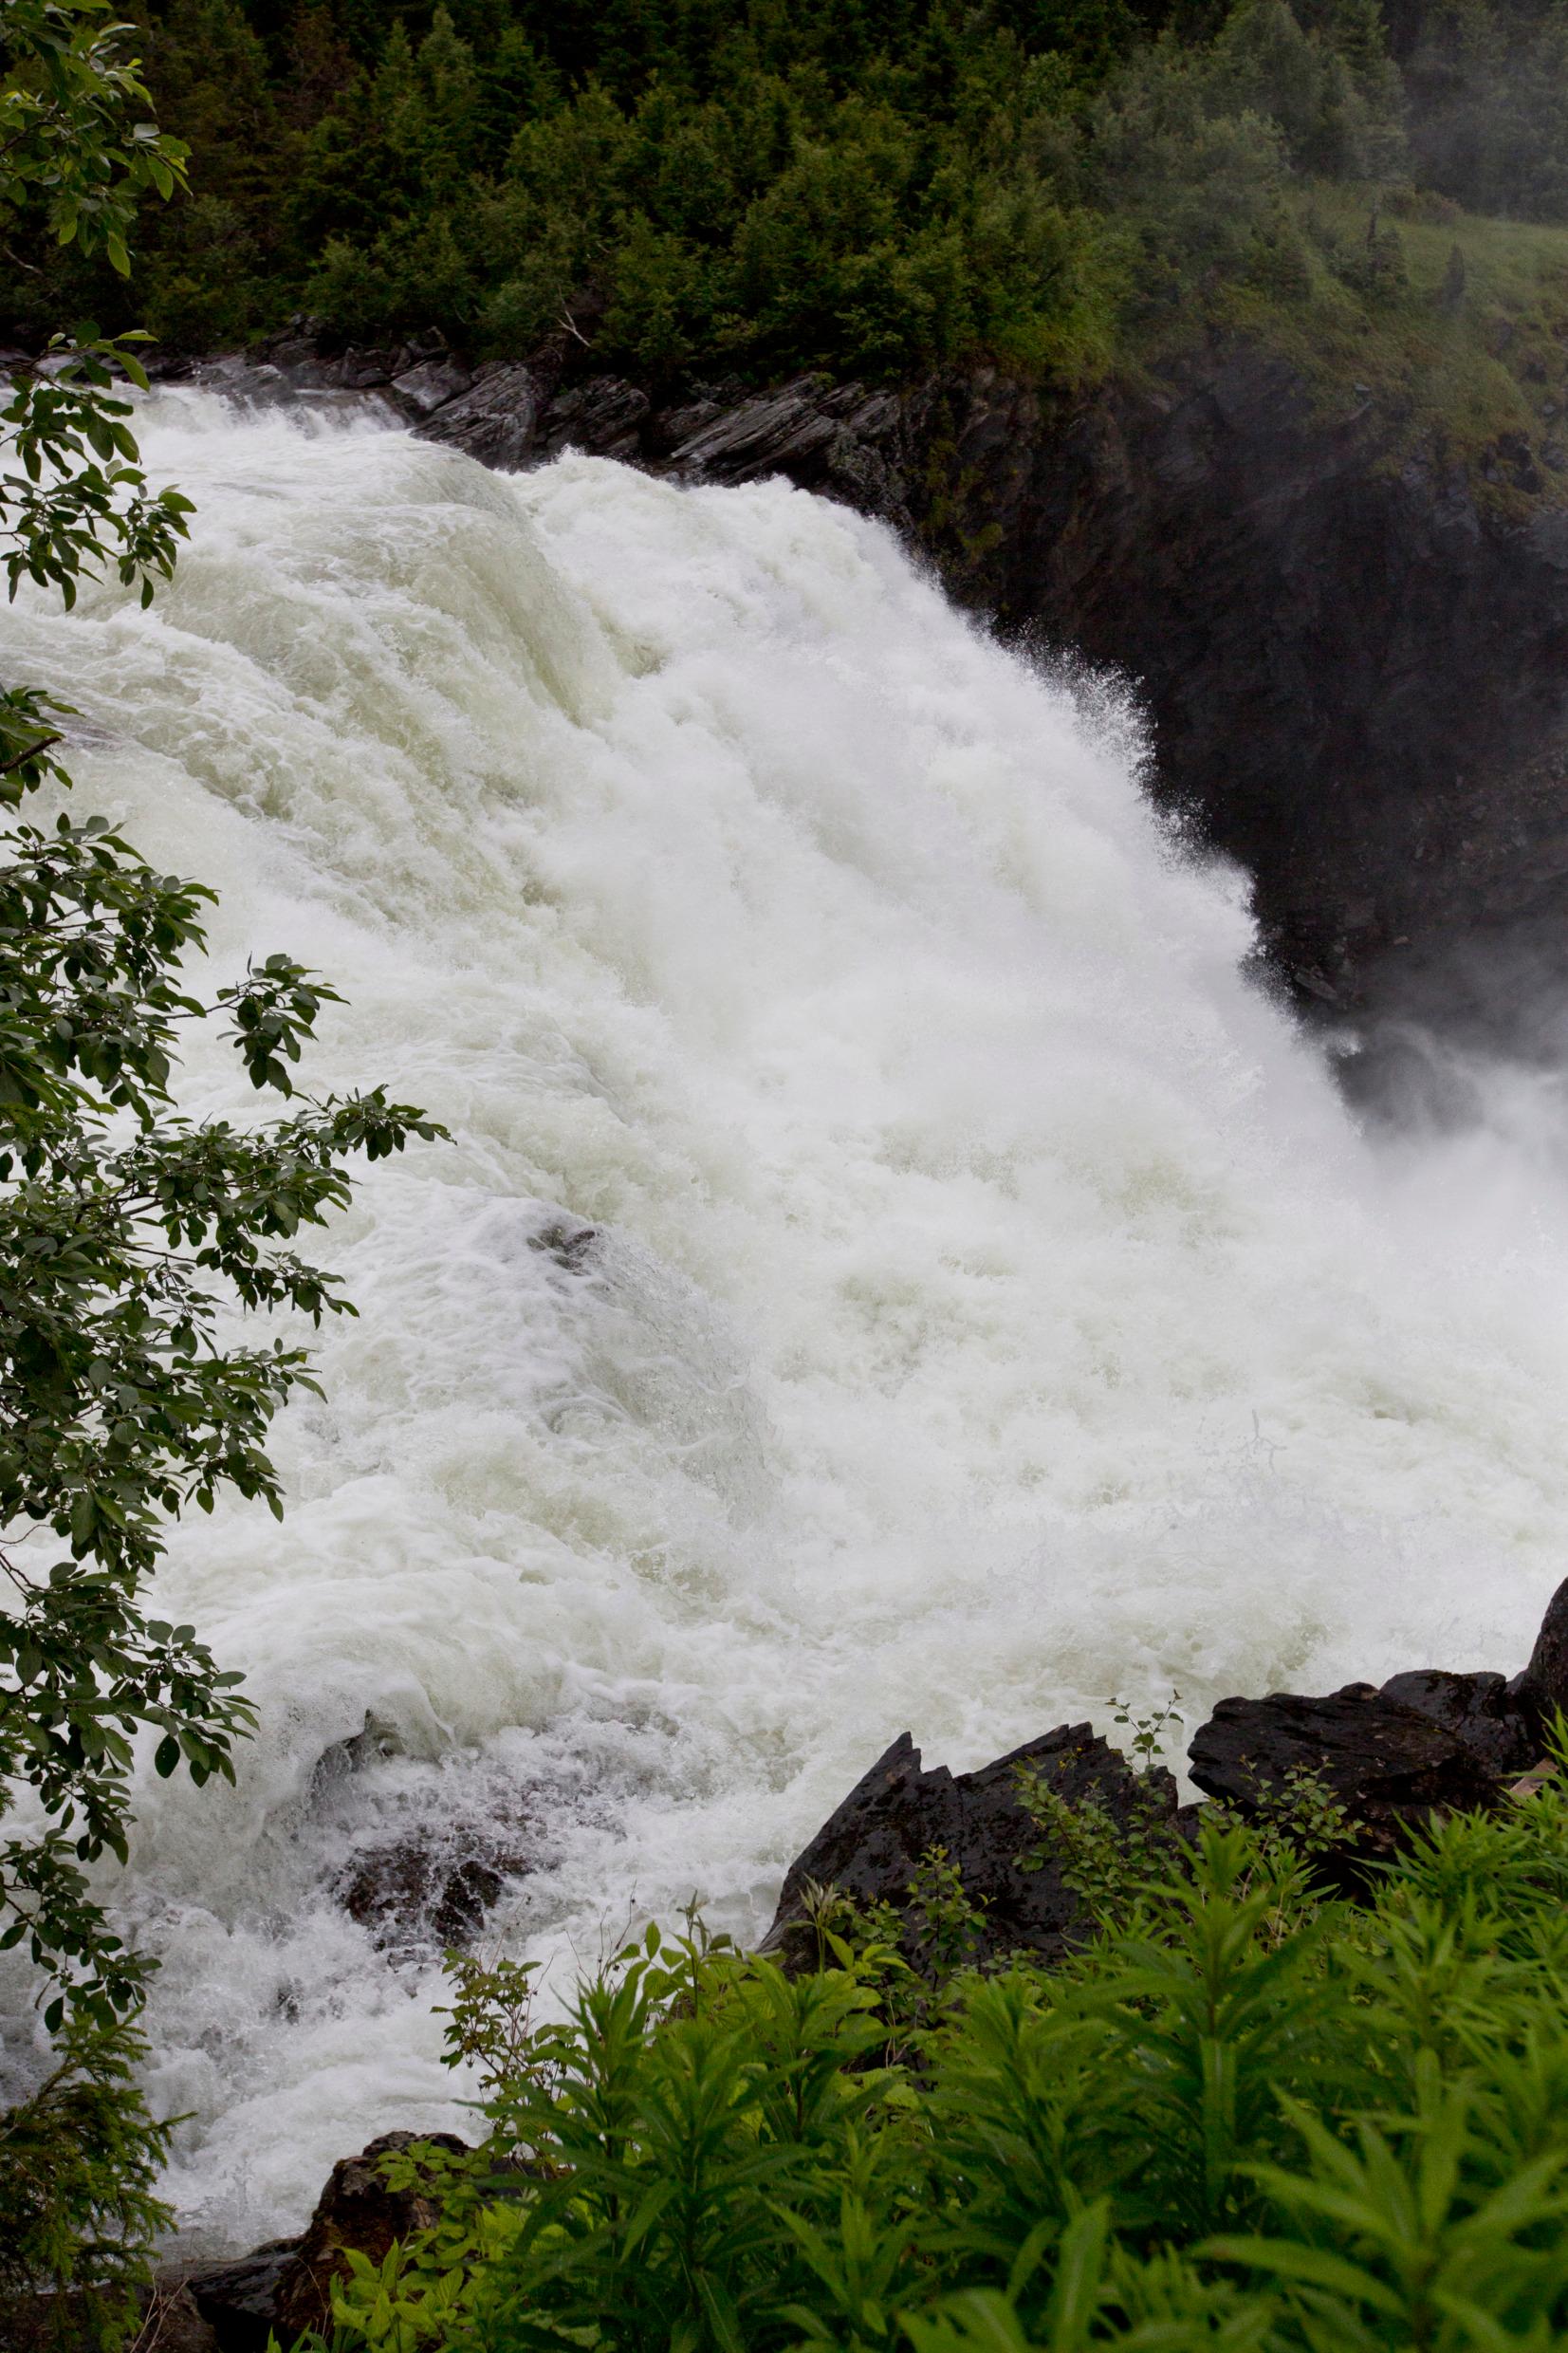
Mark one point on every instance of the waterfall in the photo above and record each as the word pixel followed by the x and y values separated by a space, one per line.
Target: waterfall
pixel 894 1268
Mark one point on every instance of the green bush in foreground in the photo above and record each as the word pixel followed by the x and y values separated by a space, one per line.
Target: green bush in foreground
pixel 1247 2115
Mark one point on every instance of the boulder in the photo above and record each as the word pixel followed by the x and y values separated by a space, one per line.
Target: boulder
pixel 420 1893
pixel 494 420
pixel 430 383
pixel 1391 1764
pixel 1480 1709
pixel 871 1847
pixel 1543 1689
pixel 356 2211
pixel 285 2289
pixel 238 2301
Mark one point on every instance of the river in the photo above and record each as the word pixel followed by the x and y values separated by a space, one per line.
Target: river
pixel 989 1305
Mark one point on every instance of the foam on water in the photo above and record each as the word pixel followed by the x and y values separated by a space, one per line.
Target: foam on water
pixel 993 1306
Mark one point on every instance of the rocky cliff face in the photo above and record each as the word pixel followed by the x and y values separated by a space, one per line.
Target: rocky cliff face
pixel 1357 666
pixel 1354 658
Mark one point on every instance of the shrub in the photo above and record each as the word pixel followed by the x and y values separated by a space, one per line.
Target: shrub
pixel 406 273
pixel 1246 2115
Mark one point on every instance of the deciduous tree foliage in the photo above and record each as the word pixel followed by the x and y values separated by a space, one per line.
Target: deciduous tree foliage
pixel 126 1230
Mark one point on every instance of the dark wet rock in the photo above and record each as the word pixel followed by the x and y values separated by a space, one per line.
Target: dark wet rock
pixel 356 2211
pixel 495 420
pixel 1543 1689
pixel 603 416
pixel 239 2300
pixel 671 429
pixel 1478 1708
pixel 1392 1765
pixel 362 370
pixel 283 377
pixel 838 438
pixel 173 2323
pixel 339 1762
pixel 872 1846
pixel 417 1894
pixel 430 383
pixel 568 1242
pixel 844 440
pixel 250 379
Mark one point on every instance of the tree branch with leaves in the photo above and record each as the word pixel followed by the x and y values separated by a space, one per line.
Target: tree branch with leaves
pixel 129 1233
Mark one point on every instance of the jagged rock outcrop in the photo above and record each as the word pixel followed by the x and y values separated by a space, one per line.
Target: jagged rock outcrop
pixel 1428 1741
pixel 1541 1691
pixel 1391 1764
pixel 851 443
pixel 871 1847
pixel 1483 1711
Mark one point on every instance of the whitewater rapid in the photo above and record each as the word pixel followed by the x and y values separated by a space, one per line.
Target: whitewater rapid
pixel 991 1305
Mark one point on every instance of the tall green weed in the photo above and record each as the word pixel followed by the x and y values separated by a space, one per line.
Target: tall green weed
pixel 1244 2113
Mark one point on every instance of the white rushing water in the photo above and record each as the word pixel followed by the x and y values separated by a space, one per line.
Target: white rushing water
pixel 991 1306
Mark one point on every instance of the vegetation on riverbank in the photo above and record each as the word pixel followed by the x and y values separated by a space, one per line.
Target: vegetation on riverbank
pixel 731 188
pixel 1246 2115
pixel 1465 356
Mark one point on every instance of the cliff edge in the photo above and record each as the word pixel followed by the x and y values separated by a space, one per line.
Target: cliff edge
pixel 1351 640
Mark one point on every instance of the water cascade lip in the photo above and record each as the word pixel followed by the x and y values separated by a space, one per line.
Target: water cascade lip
pixel 892 1268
